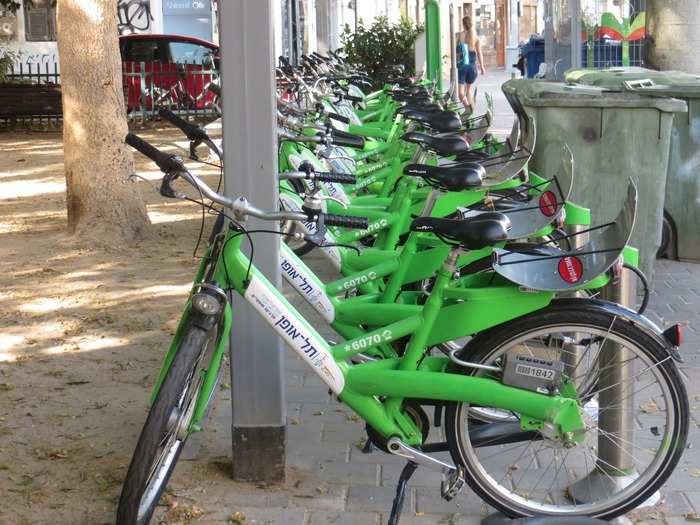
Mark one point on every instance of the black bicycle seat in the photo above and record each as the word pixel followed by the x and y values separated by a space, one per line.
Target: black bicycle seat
pixel 443 121
pixel 473 233
pixel 450 178
pixel 445 146
pixel 417 98
pixel 474 156
pixel 427 107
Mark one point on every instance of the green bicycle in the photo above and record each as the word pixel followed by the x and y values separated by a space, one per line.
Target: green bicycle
pixel 544 370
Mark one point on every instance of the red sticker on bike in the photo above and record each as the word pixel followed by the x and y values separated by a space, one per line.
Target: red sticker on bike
pixel 570 269
pixel 548 203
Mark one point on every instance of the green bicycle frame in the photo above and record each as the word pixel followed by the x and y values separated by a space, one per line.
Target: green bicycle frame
pixel 360 386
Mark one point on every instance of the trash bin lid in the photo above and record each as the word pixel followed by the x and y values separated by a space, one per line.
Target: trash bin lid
pixel 611 78
pixel 640 80
pixel 538 93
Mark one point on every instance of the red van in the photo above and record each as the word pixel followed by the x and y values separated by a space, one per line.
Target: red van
pixel 167 71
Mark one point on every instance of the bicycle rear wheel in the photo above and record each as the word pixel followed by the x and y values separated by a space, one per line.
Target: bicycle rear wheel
pixel 532 474
pixel 166 429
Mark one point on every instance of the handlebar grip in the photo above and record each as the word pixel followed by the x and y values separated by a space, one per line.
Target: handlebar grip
pixel 193 132
pixel 166 162
pixel 346 221
pixel 339 118
pixel 342 138
pixel 342 178
pixel 352 98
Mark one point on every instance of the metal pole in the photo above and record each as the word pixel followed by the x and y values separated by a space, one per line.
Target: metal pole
pixel 453 54
pixel 512 49
pixel 575 36
pixel 250 150
pixel 615 468
pixel 572 350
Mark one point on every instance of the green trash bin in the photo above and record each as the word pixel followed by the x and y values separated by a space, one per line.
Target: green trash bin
pixel 681 227
pixel 613 136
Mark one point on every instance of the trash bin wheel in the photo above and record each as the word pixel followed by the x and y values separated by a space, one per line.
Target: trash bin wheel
pixel 667 249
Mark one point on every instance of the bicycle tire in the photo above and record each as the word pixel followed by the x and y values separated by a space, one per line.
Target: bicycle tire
pixel 173 389
pixel 485 344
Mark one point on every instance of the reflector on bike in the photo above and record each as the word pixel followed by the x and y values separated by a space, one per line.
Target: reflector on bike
pixel 545 267
pixel 530 211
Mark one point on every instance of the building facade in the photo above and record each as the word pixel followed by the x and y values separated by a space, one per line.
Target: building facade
pixel 577 32
pixel 31 32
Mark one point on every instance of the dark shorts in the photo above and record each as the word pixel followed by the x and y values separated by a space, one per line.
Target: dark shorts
pixel 467 75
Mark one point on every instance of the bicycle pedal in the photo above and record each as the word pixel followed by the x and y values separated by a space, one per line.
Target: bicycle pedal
pixel 452 484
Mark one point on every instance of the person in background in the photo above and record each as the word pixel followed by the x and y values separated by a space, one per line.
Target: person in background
pixel 468 58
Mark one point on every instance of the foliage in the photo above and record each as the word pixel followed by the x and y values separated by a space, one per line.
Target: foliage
pixel 381 45
pixel 11 5
pixel 7 57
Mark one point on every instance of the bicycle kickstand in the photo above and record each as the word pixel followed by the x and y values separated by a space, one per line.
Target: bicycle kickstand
pixel 396 507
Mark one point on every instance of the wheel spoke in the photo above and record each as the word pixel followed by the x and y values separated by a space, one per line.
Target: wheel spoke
pixel 541 490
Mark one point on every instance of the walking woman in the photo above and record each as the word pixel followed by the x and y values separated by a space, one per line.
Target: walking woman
pixel 468 57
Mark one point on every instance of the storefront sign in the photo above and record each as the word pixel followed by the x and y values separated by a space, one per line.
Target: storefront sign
pixel 186 7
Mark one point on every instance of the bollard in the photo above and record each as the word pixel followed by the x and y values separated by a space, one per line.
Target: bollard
pixel 572 351
pixel 615 468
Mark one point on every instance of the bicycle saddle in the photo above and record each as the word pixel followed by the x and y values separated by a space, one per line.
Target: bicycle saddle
pixel 411 90
pixel 474 233
pixel 457 178
pixel 474 156
pixel 443 121
pixel 445 146
pixel 431 107
pixel 420 98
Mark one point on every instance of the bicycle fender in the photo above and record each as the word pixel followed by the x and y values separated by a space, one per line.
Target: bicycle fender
pixel 640 321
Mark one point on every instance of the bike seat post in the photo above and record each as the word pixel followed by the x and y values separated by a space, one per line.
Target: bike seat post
pixel 429 203
pixel 451 262
pixel 419 155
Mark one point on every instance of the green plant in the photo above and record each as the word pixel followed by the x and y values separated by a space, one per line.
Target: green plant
pixel 10 5
pixel 7 57
pixel 381 45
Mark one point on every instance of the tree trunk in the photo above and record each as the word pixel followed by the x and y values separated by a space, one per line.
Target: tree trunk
pixel 673 28
pixel 102 203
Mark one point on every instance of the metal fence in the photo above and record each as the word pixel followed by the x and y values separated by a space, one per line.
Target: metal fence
pixel 182 88
pixel 32 94
pixel 594 34
pixel 618 38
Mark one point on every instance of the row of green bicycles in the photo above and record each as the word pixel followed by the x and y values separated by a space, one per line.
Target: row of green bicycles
pixel 464 296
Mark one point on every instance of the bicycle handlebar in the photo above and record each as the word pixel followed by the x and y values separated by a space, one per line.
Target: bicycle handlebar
pixel 192 131
pixel 351 98
pixel 339 118
pixel 343 138
pixel 166 162
pixel 172 165
pixel 320 176
pixel 325 176
pixel 346 221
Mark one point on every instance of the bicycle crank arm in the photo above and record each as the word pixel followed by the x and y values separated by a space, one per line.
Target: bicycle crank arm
pixel 453 477
pixel 399 448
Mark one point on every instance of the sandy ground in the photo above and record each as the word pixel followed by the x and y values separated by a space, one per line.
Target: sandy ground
pixel 82 334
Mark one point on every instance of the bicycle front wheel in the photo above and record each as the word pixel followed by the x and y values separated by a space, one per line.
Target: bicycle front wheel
pixel 633 403
pixel 165 431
